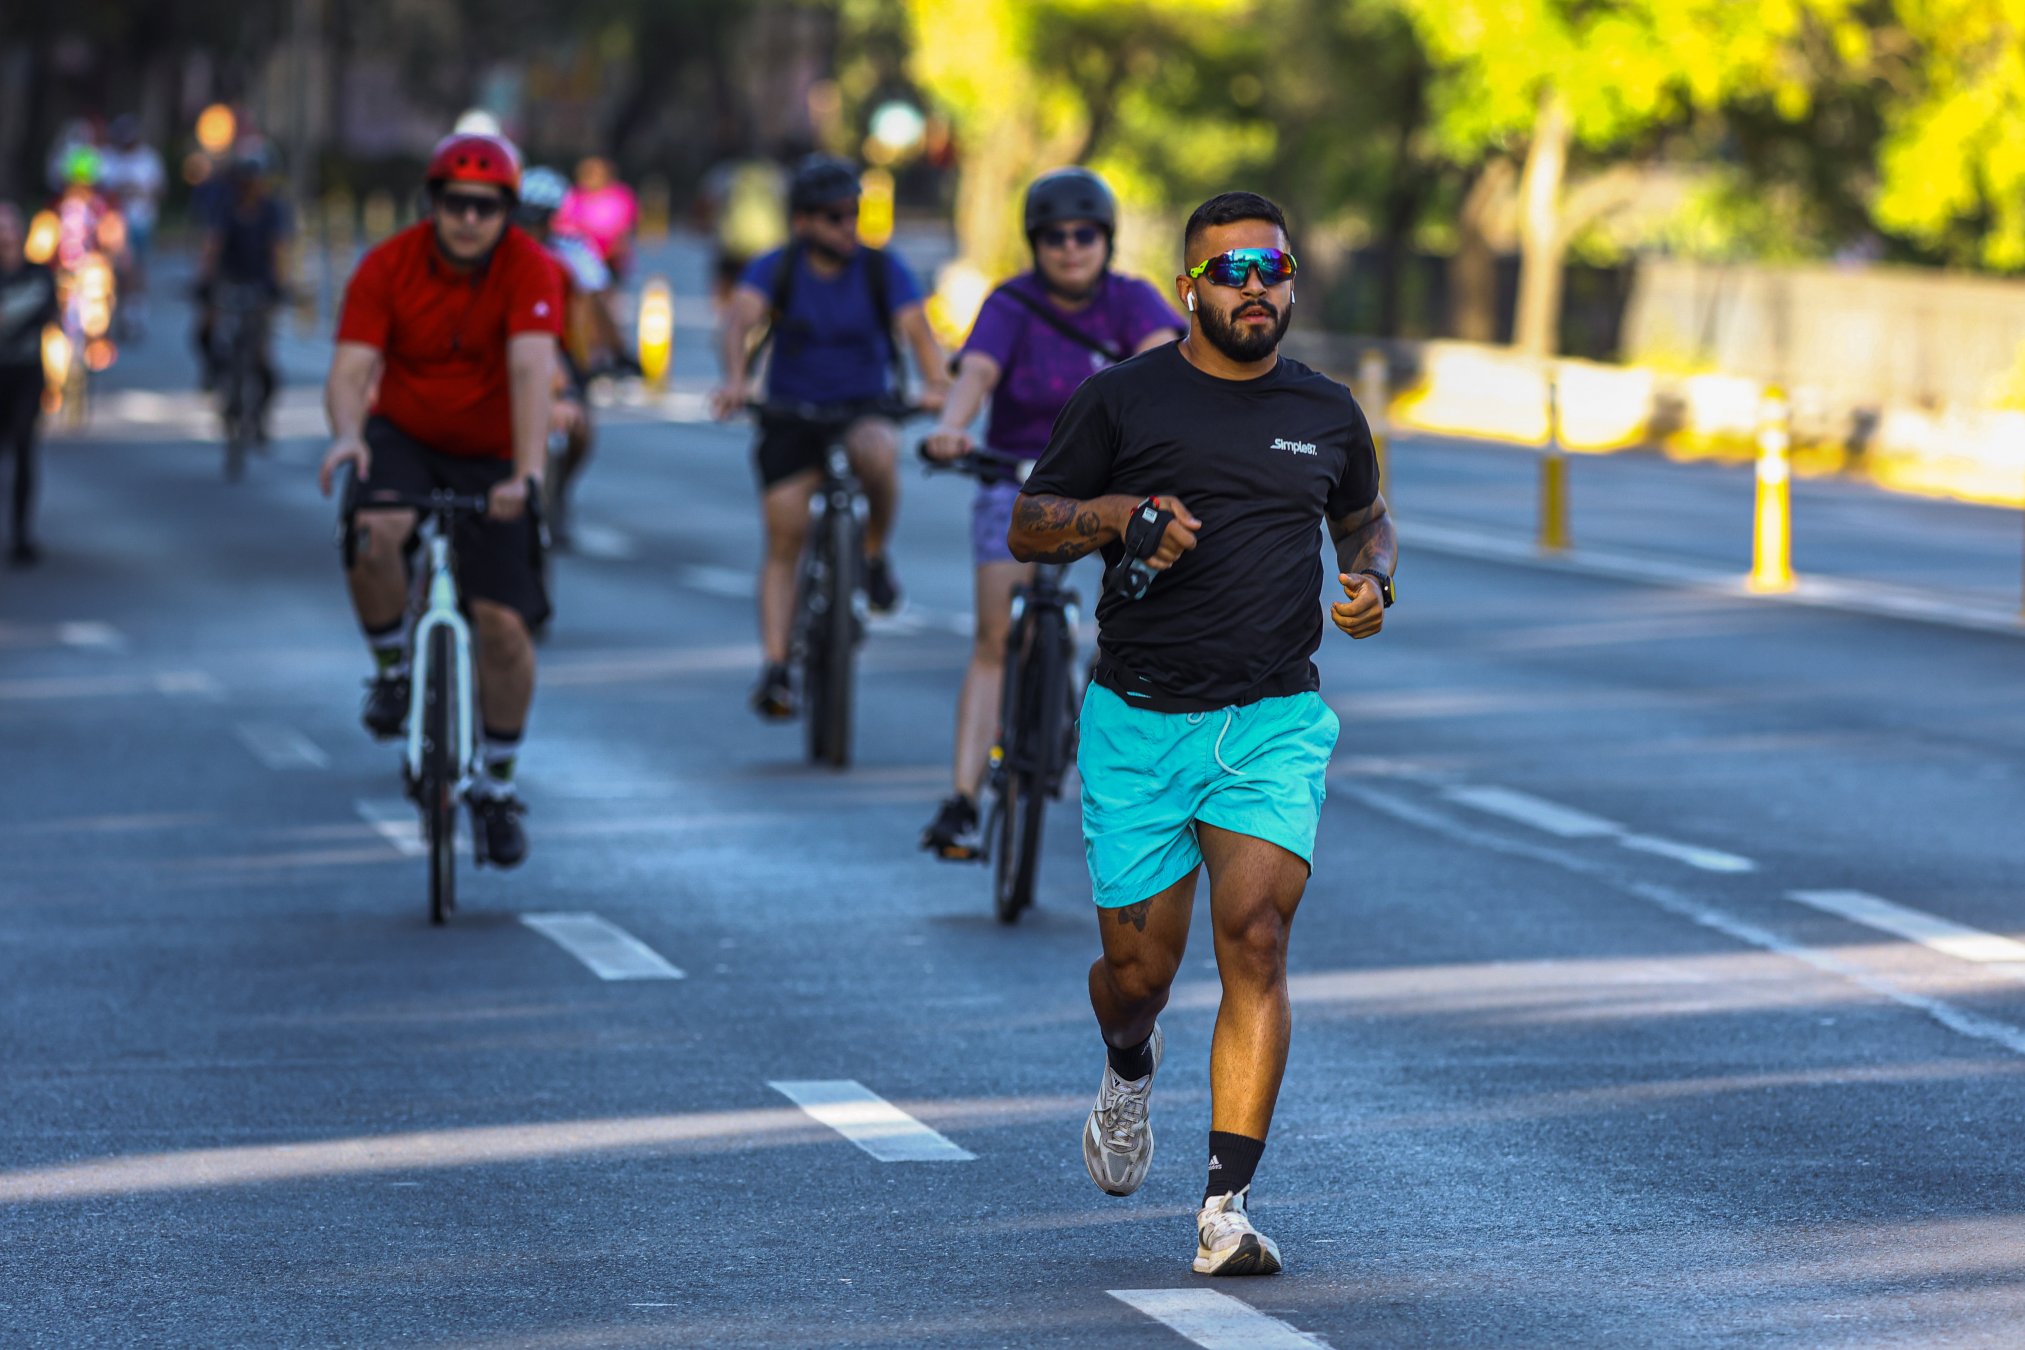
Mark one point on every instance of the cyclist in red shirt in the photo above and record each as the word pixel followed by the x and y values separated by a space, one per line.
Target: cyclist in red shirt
pixel 445 378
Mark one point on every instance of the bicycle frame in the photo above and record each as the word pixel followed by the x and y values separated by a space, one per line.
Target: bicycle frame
pixel 441 612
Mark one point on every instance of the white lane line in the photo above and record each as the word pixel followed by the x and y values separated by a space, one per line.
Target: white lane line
pixel 1929 930
pixel 1958 1020
pixel 397 822
pixel 602 542
pixel 1694 855
pixel 609 950
pixel 870 1121
pixel 280 747
pixel 1568 823
pixel 90 634
pixel 190 683
pixel 1216 1321
pixel 727 581
pixel 1537 812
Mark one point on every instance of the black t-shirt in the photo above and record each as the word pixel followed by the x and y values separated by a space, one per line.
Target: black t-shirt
pixel 247 237
pixel 1261 463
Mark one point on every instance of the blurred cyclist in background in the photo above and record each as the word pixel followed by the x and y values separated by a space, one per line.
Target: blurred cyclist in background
pixel 834 314
pixel 243 246
pixel 590 339
pixel 27 306
pixel 1038 337
pixel 603 210
pixel 131 176
pixel 748 204
pixel 82 211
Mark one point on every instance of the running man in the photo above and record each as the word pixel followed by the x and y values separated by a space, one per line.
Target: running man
pixel 835 313
pixel 1204 740
pixel 1038 336
pixel 455 320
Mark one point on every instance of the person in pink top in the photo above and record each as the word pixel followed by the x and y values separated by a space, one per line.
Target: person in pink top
pixel 603 210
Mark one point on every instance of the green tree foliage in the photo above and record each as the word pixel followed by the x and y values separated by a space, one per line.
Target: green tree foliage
pixel 1544 78
pixel 1952 167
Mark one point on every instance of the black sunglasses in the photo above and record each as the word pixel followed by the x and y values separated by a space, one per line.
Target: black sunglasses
pixel 838 215
pixel 1057 236
pixel 469 204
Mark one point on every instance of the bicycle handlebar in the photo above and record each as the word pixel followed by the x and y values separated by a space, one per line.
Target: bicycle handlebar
pixel 985 464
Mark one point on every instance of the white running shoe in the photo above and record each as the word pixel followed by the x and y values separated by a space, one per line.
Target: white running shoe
pixel 1118 1138
pixel 1227 1244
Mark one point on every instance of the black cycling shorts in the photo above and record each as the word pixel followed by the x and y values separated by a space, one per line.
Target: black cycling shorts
pixel 496 560
pixel 788 445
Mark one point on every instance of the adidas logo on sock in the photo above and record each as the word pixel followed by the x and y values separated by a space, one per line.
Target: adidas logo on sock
pixel 1214 1165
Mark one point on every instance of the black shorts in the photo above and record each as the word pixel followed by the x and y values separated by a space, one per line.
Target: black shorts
pixel 789 445
pixel 496 560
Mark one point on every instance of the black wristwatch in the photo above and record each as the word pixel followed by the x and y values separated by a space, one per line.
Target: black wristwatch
pixel 1384 584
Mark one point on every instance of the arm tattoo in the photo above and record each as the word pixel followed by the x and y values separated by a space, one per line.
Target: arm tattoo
pixel 1366 539
pixel 1134 915
pixel 1057 529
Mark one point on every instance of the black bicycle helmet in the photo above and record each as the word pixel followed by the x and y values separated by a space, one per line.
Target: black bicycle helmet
pixel 1070 194
pixel 820 180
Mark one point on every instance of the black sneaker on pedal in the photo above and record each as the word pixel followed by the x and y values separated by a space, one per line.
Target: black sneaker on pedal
pixel 773 698
pixel 882 593
pixel 953 835
pixel 386 706
pixel 496 815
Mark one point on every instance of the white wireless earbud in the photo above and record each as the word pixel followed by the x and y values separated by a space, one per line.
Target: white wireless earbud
pixel 1290 298
pixel 1191 302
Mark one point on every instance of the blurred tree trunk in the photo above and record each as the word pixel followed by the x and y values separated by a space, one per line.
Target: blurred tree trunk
pixel 1404 197
pixel 1473 271
pixel 1543 244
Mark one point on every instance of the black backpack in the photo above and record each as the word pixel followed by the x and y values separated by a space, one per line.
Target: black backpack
pixel 783 292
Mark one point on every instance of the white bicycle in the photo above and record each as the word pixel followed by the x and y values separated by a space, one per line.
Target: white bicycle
pixel 441 754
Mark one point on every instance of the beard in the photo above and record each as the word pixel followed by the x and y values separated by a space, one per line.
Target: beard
pixel 1240 346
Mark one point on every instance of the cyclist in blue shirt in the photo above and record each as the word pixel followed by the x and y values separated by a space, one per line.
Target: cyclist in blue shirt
pixel 834 313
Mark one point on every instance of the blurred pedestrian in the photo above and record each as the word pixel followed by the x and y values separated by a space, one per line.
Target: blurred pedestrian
pixel 27 306
pixel 603 210
pixel 131 176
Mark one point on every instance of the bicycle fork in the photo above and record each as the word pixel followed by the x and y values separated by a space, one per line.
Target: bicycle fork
pixel 442 613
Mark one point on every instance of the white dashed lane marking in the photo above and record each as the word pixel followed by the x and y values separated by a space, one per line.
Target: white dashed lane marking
pixel 608 950
pixel 870 1121
pixel 1216 1321
pixel 2005 955
pixel 280 747
pixel 1566 822
pixel 397 821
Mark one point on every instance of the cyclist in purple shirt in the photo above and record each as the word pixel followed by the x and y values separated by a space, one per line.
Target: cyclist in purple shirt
pixel 1038 337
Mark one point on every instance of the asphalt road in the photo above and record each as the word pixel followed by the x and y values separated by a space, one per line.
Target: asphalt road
pixel 1653 986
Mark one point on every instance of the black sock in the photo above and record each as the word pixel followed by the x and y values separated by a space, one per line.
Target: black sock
pixel 1132 1063
pixel 1232 1160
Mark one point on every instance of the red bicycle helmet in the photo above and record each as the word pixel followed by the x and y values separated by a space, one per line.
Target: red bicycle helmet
pixel 476 159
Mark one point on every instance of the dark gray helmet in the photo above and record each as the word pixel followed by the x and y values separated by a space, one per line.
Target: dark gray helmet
pixel 1070 194
pixel 820 180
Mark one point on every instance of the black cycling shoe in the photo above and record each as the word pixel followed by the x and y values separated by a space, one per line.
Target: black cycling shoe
pixel 953 835
pixel 386 710
pixel 882 593
pixel 497 818
pixel 773 698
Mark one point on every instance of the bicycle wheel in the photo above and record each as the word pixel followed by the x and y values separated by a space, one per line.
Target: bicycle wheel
pixel 240 398
pixel 439 774
pixel 833 641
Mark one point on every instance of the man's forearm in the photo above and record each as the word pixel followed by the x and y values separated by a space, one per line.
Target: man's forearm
pixel 1368 544
pixel 344 403
pixel 533 403
pixel 1048 529
pixel 733 348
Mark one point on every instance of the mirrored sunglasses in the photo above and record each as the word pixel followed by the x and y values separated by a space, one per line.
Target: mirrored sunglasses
pixel 1275 265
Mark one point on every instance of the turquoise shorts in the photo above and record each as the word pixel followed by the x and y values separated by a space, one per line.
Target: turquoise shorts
pixel 1150 777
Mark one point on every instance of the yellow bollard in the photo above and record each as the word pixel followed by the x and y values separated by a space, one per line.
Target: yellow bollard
pixel 1772 539
pixel 875 208
pixel 1375 396
pixel 656 332
pixel 1554 534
